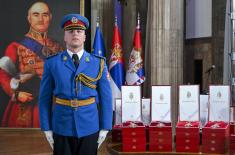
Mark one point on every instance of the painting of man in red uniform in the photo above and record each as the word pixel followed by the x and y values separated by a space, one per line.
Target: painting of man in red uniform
pixel 21 68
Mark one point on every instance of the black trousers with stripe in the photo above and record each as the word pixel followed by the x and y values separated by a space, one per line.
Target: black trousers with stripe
pixel 64 145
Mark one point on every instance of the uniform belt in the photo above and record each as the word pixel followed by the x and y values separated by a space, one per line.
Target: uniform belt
pixel 75 103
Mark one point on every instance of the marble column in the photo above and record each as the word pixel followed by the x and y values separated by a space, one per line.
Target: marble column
pixel 164 47
pixel 218 23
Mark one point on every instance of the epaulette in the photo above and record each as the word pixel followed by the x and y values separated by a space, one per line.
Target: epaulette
pixel 52 55
pixel 98 56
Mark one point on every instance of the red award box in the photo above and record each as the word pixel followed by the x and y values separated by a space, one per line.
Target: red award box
pixel 187 136
pixel 232 137
pixel 160 137
pixel 214 137
pixel 232 127
pixel 133 137
pixel 116 134
pixel 232 120
pixel 232 143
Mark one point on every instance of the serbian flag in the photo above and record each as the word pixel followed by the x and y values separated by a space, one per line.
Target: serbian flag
pixel 98 45
pixel 116 64
pixel 135 73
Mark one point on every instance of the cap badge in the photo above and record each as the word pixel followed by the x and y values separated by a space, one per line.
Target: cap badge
pixel 74 20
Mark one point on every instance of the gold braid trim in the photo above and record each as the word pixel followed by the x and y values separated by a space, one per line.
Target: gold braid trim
pixel 86 80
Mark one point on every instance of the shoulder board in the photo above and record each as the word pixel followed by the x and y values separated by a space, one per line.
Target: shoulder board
pixel 52 55
pixel 98 56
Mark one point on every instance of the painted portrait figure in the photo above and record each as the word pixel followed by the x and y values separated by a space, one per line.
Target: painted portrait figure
pixel 21 68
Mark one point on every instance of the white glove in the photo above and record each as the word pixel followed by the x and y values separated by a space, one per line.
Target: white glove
pixel 102 136
pixel 49 136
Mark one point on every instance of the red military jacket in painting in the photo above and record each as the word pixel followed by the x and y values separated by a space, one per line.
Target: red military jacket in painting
pixel 27 56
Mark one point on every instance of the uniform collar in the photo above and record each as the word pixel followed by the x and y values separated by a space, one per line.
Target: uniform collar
pixel 37 35
pixel 83 62
pixel 80 53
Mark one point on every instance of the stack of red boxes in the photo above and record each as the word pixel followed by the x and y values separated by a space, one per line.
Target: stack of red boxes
pixel 187 136
pixel 160 137
pixel 214 137
pixel 232 130
pixel 133 137
pixel 232 127
pixel 188 126
pixel 215 133
pixel 117 134
pixel 232 137
pixel 117 128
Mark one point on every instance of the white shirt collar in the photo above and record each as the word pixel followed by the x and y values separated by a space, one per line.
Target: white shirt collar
pixel 80 53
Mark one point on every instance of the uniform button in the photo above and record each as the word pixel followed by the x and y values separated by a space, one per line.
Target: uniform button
pixel 75 109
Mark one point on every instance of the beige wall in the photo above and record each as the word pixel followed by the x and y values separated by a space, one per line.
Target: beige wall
pixel 197 49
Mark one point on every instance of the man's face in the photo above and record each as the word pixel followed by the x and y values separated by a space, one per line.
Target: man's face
pixel 39 17
pixel 74 38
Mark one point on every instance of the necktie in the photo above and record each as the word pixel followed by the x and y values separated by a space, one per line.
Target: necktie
pixel 75 60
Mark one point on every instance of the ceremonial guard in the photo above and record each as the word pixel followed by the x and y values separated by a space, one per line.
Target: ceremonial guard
pixel 75 99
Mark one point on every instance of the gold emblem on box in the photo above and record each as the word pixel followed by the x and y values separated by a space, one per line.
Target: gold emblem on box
pixel 131 96
pixel 219 95
pixel 161 97
pixel 189 94
pixel 186 147
pixel 212 142
pixel 213 135
pixel 187 134
pixel 133 133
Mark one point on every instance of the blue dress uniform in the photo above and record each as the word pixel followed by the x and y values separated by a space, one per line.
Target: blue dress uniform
pixel 61 79
pixel 75 101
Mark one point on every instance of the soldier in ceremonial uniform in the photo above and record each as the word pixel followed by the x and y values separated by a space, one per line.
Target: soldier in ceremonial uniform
pixel 75 101
pixel 21 69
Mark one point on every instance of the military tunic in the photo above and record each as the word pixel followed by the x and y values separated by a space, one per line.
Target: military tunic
pixel 62 80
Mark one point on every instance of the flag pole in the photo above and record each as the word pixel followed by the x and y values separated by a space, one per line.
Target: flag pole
pixel 97 21
pixel 138 27
pixel 138 20
pixel 115 22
